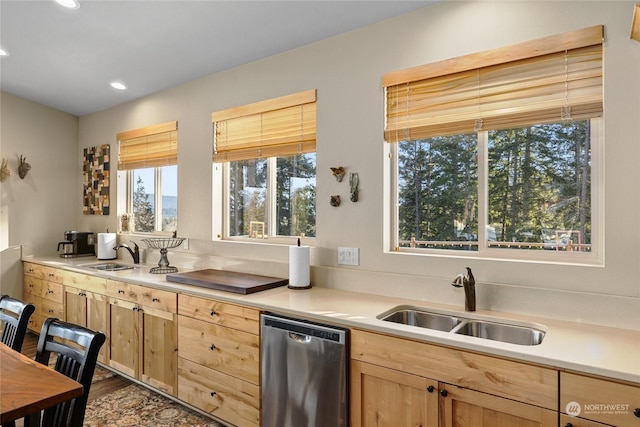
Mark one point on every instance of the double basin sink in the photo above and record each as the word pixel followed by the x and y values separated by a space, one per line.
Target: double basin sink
pixel 109 266
pixel 503 332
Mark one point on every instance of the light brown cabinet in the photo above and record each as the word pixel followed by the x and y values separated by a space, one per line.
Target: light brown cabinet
pixel 394 378
pixel 600 400
pixel 143 334
pixel 85 304
pixel 43 287
pixel 219 359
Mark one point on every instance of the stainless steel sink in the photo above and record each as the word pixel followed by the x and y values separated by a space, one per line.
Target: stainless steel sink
pixel 422 319
pixel 503 332
pixel 110 266
pixel 522 335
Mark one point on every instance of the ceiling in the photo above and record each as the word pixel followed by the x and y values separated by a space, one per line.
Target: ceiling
pixel 66 58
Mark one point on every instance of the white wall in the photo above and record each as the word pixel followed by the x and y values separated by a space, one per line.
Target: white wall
pixel 36 210
pixel 346 71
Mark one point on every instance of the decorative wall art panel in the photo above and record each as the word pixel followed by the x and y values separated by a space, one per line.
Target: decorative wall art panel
pixel 95 180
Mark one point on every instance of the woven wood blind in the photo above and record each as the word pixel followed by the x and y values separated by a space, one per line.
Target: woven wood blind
pixel 152 146
pixel 540 81
pixel 277 127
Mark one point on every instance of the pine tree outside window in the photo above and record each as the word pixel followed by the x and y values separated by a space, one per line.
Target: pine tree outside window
pixel 499 154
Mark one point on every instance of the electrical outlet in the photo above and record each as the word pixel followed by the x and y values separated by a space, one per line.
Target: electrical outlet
pixel 348 256
pixel 185 244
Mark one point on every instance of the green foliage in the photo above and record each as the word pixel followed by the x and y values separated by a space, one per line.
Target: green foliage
pixel 144 215
pixel 539 185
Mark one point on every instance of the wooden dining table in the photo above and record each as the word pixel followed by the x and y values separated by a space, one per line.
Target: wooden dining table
pixel 27 386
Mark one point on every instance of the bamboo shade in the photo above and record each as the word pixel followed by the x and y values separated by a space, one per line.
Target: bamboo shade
pixel 278 127
pixel 485 93
pixel 152 146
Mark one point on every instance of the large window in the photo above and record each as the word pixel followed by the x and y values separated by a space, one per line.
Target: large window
pixel 500 150
pixel 148 164
pixel 268 152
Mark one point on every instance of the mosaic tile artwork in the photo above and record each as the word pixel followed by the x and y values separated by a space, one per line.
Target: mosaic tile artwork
pixel 95 171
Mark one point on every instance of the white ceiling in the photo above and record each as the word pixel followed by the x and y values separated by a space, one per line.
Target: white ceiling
pixel 65 59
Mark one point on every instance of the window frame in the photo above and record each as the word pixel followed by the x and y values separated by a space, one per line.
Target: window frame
pixel 271 209
pixel 157 198
pixel 594 257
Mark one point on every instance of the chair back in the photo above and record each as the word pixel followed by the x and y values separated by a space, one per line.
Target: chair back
pixel 76 350
pixel 14 317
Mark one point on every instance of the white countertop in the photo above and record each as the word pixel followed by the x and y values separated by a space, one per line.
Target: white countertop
pixel 590 349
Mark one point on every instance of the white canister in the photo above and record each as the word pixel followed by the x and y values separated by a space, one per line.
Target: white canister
pixel 106 244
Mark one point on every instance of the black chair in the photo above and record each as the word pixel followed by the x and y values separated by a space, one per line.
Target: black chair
pixel 14 316
pixel 77 353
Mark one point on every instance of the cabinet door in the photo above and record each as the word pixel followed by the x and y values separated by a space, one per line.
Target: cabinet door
pixel 75 306
pixel 159 350
pixel 384 397
pixel 124 345
pixel 97 319
pixel 468 408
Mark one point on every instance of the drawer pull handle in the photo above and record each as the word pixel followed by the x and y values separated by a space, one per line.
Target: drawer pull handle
pixel 213 312
pixel 50 311
pixel 636 412
pixel 430 389
pixel 120 291
pixel 155 300
pixel 444 393
pixel 568 425
pixel 213 393
pixel 51 274
pixel 49 291
pixel 213 347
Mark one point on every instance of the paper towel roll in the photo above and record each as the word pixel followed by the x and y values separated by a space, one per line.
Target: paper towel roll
pixel 299 267
pixel 106 243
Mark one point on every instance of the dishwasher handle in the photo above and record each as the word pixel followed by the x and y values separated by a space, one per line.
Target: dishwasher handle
pixel 304 331
pixel 302 339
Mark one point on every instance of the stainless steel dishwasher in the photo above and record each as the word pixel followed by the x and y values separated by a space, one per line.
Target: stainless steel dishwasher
pixel 304 373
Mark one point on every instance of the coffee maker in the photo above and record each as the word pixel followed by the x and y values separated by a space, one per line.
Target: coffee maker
pixel 77 244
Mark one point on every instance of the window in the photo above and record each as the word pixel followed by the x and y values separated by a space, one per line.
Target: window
pixel 498 153
pixel 148 162
pixel 268 151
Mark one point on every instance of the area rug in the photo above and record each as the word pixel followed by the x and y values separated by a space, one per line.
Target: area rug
pixel 137 406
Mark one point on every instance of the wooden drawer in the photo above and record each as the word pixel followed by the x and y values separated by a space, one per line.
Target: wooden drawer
pixel 526 383
pixel 600 400
pixel 84 281
pixel 224 396
pixel 231 351
pixel 52 291
pixel 221 313
pixel 569 421
pixel 52 309
pixel 148 297
pixel 32 286
pixel 32 269
pixel 52 274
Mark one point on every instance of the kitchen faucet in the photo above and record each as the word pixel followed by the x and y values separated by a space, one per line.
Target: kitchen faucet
pixel 135 254
pixel 467 282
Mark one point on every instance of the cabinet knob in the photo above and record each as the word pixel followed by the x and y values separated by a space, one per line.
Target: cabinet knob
pixel 430 389
pixel 213 312
pixel 568 425
pixel 213 347
pixel 213 393
pixel 444 393
pixel 636 412
pixel 155 300
pixel 120 291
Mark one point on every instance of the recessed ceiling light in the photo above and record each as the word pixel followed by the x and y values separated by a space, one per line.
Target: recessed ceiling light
pixel 118 85
pixel 69 4
pixel 4 52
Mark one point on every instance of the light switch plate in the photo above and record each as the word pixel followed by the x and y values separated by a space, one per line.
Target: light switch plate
pixel 348 256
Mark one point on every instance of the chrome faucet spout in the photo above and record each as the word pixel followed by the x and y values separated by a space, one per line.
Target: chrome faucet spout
pixel 467 282
pixel 135 253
